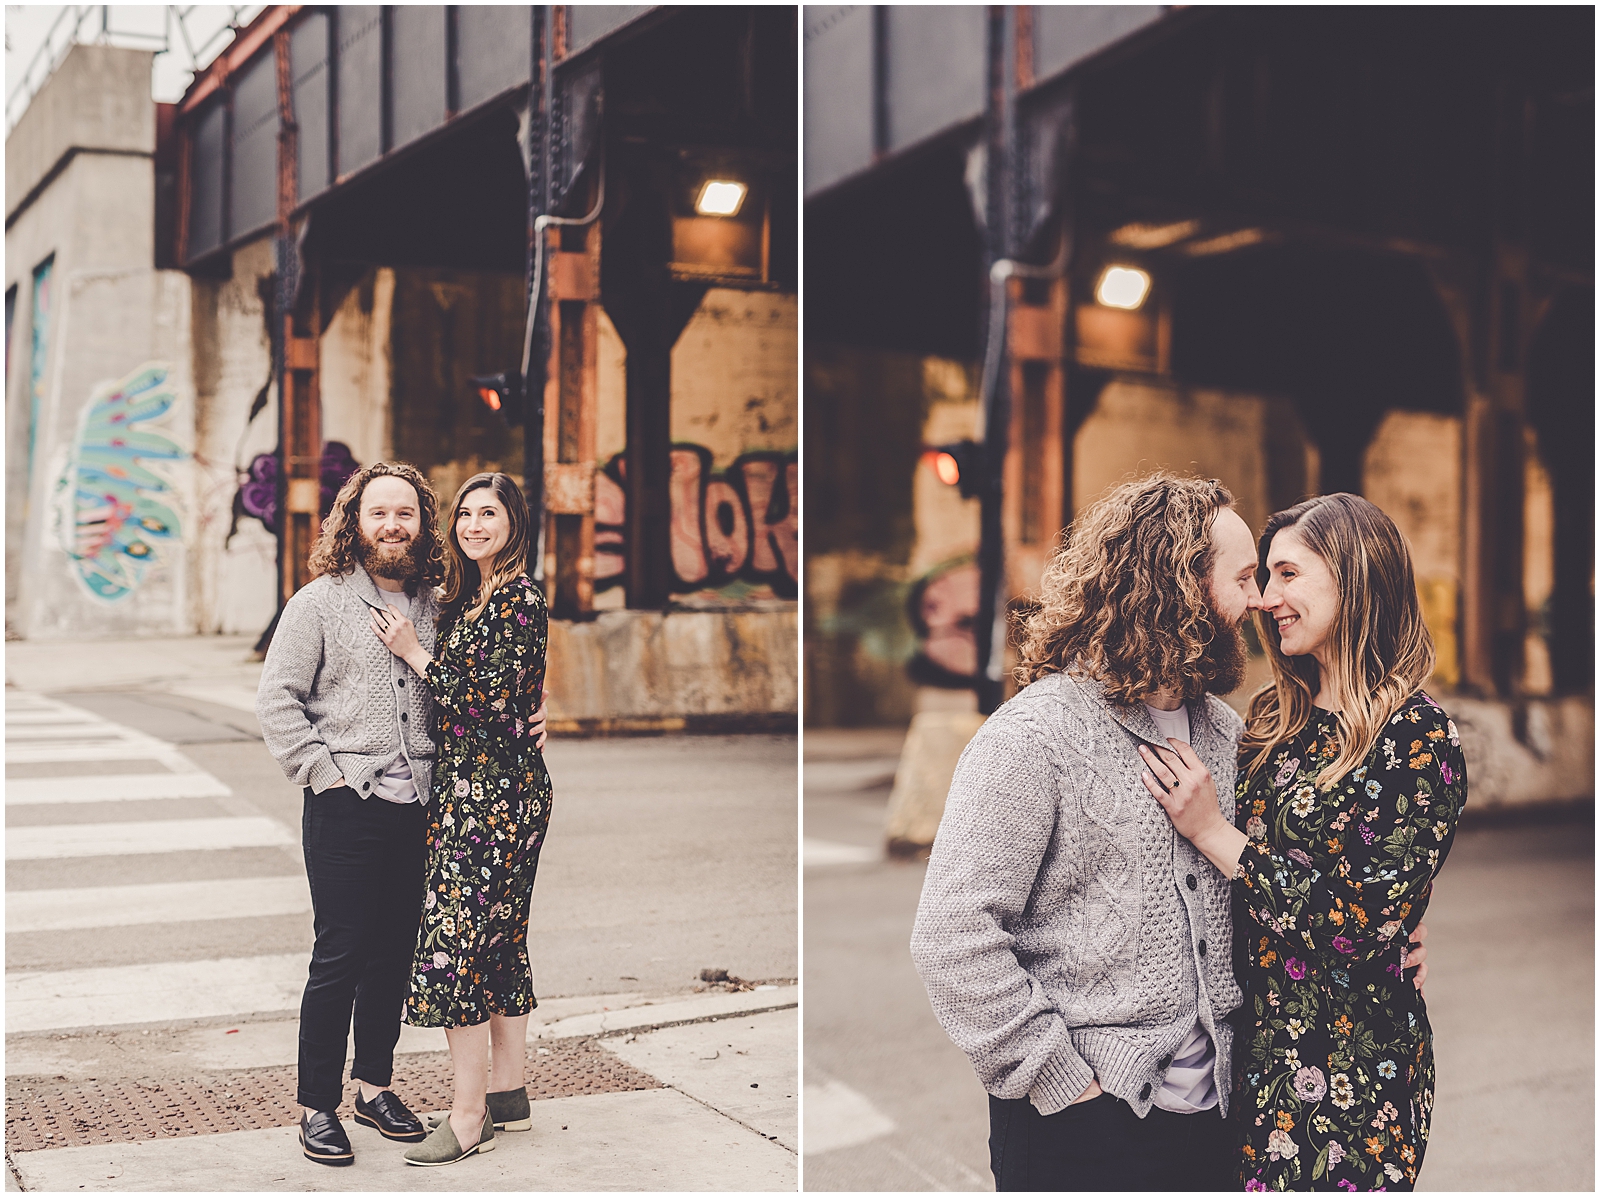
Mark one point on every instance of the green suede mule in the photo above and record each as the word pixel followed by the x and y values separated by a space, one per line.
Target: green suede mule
pixel 509 1109
pixel 441 1147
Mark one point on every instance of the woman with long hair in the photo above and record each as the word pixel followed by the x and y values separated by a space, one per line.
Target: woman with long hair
pixel 1351 782
pixel 471 974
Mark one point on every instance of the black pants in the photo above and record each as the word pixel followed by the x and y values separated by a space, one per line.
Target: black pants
pixel 364 859
pixel 1102 1144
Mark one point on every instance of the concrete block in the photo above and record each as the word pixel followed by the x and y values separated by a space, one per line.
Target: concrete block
pixel 934 743
pixel 1536 750
pixel 676 670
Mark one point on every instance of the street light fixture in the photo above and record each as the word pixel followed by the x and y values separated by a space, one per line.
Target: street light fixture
pixel 720 197
pixel 1122 287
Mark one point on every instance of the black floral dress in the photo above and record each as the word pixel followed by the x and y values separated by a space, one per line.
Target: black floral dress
pixel 488 817
pixel 1335 1055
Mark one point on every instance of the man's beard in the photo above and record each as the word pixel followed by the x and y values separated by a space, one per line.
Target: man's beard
pixel 1222 664
pixel 395 560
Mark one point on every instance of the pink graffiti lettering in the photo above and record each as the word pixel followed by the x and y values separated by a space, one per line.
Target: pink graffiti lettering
pixel 742 525
pixel 942 606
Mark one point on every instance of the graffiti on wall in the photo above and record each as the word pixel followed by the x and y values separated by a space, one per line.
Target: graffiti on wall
pixel 738 529
pixel 115 513
pixel 257 495
pixel 39 352
pixel 941 608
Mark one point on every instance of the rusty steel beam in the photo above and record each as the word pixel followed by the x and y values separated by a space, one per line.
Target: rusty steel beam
pixel 251 39
pixel 295 359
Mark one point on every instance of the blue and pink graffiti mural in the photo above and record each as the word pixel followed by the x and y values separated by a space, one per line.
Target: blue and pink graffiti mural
pixel 115 505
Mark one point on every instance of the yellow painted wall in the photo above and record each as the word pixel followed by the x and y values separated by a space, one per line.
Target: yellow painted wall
pixel 1413 471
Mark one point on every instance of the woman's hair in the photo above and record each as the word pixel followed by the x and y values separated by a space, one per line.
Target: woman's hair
pixel 1379 650
pixel 464 587
pixel 1127 599
pixel 338 545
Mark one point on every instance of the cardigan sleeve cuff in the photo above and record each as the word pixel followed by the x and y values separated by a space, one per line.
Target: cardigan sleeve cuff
pixel 1060 1082
pixel 323 773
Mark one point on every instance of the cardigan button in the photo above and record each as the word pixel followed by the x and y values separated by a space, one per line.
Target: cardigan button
pixel 402 716
pixel 1144 1094
pixel 1202 947
pixel 1163 1062
pixel 399 681
pixel 1191 882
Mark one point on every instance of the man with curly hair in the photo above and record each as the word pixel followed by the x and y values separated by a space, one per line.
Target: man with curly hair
pixel 347 725
pixel 1072 945
pixel 345 720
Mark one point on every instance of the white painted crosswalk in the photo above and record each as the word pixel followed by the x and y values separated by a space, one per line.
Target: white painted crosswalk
pixel 173 901
pixel 112 787
pixel 161 992
pixel 52 738
pixel 141 839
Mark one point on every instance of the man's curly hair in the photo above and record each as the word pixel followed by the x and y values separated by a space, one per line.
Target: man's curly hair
pixel 338 547
pixel 1126 601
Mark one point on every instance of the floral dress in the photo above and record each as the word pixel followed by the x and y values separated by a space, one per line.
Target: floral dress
pixel 487 820
pixel 1334 1063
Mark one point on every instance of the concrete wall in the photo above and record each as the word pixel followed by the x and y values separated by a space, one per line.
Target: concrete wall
pixel 735 381
pixel 1413 471
pixel 1539 568
pixel 357 362
pixel 98 100
pixel 1137 427
pixel 735 401
pixel 735 392
pixel 654 671
pixel 77 565
pixel 236 558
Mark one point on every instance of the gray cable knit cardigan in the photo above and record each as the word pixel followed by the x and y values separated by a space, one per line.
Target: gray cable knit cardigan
pixel 1066 931
pixel 334 701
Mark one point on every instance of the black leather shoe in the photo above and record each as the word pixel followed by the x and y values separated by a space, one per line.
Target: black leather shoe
pixel 324 1140
pixel 388 1115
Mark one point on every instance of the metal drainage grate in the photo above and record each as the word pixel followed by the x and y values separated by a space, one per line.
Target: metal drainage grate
pixel 43 1115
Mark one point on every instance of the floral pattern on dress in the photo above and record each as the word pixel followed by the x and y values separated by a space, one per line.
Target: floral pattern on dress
pixel 1334 1067
pixel 487 820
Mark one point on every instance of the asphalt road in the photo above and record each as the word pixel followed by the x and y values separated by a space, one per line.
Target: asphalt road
pixel 666 855
pixel 1510 996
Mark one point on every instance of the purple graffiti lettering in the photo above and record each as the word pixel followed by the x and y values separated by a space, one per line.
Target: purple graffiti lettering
pixel 258 494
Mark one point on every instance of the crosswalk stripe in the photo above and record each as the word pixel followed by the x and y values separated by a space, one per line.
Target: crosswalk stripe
pixel 112 787
pixel 166 902
pixel 66 751
pixel 42 715
pixel 165 992
pixel 35 732
pixel 135 839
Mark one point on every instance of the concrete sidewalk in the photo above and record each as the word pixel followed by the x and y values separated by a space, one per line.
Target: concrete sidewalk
pixel 720 1115
pixel 218 669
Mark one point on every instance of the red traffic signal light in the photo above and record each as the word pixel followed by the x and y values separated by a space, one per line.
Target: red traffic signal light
pixel 501 393
pixel 957 465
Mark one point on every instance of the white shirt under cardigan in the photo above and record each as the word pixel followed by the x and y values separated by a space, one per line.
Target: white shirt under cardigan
pixel 397 785
pixel 1189 1086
